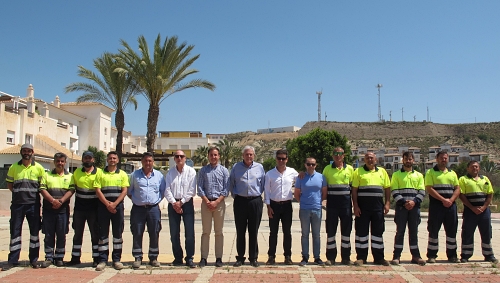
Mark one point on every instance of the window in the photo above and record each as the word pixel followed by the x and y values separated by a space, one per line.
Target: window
pixel 63 144
pixel 184 146
pixel 105 131
pixel 7 165
pixel 173 146
pixel 158 146
pixel 11 135
pixel 70 128
pixel 28 139
pixel 105 145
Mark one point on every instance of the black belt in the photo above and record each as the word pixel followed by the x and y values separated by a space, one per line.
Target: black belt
pixel 248 197
pixel 212 199
pixel 282 202
pixel 147 205
pixel 179 199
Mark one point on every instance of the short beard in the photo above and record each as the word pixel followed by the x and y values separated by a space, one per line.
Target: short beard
pixel 26 156
pixel 88 164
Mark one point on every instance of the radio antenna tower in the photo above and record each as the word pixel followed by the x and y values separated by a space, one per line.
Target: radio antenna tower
pixel 379 86
pixel 319 93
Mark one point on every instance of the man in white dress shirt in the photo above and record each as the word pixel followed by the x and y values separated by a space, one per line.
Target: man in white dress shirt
pixel 278 197
pixel 179 192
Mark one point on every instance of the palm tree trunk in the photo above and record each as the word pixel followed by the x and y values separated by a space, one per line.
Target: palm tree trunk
pixel 120 124
pixel 153 113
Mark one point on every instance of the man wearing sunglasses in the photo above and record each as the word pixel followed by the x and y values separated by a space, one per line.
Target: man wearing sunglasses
pixel 309 192
pixel 246 183
pixel 180 190
pixel 338 206
pixel 278 198
pixel 369 186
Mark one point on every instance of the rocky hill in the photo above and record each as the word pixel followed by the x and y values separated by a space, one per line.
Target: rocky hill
pixel 474 136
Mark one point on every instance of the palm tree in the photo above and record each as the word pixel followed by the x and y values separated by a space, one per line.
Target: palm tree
pixel 229 152
pixel 201 155
pixel 160 74
pixel 108 87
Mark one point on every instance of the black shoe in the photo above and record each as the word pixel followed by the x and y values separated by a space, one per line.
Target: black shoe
pixel 346 262
pixel 304 261
pixel 254 263
pixel 319 262
pixel 176 263
pixel 271 260
pixel 8 266
pixel 238 263
pixel 46 263
pixel 218 262
pixel 35 265
pixel 59 263
pixel 453 260
pixel 203 262
pixel 73 262
pixel 190 264
pixel 381 262
pixel 288 260
pixel 464 260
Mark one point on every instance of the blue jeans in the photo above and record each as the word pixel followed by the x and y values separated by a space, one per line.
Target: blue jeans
pixel 17 214
pixel 141 216
pixel 55 225
pixel 310 219
pixel 174 221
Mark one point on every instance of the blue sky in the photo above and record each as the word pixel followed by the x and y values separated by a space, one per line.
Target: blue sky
pixel 268 58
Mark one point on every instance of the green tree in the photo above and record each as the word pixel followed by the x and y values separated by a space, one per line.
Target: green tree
pixel 99 156
pixel 108 87
pixel 160 74
pixel 461 169
pixel 269 164
pixel 201 155
pixel 319 144
pixel 488 166
pixel 229 151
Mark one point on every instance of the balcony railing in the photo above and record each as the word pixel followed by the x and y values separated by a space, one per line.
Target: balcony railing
pixel 61 125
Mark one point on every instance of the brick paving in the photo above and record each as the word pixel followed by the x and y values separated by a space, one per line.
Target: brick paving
pixel 440 272
pixel 474 271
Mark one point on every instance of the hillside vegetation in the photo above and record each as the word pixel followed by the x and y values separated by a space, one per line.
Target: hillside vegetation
pixel 474 136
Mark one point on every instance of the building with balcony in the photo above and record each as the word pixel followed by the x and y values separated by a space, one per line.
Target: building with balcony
pixel 51 127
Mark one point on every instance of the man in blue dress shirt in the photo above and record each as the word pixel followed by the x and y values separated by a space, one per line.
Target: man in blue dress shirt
pixel 246 183
pixel 213 189
pixel 147 187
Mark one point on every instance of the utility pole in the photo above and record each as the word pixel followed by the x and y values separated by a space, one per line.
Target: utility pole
pixel 428 119
pixel 319 104
pixel 415 118
pixel 325 116
pixel 402 117
pixel 390 115
pixel 379 86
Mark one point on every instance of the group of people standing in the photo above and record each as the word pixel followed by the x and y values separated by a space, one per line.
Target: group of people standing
pixel 364 192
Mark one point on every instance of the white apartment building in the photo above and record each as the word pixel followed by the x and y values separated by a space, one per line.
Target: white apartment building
pixel 51 127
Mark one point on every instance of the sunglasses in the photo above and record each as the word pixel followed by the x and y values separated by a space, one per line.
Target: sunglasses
pixel 311 164
pixel 338 153
pixel 179 156
pixel 281 158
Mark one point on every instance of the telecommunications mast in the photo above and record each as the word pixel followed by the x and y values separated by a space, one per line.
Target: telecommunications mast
pixel 319 104
pixel 379 86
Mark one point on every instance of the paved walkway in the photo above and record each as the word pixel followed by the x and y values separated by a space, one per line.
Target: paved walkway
pixel 475 271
